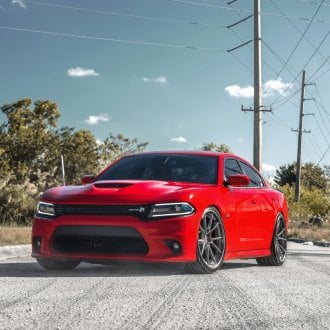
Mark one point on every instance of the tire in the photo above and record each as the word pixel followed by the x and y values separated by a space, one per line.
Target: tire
pixel 279 245
pixel 211 244
pixel 58 264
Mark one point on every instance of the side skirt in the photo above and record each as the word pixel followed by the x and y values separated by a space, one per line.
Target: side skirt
pixel 251 254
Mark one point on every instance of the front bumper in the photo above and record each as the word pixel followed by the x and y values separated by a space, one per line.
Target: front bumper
pixel 102 238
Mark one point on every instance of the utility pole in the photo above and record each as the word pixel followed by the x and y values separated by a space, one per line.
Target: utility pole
pixel 257 107
pixel 257 127
pixel 300 131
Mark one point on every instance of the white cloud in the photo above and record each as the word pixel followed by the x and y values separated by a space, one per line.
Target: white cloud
pixel 278 86
pixel 99 142
pixel 81 72
pixel 179 139
pixel 19 2
pixel 237 91
pixel 268 168
pixel 240 140
pixel 269 87
pixel 94 120
pixel 159 80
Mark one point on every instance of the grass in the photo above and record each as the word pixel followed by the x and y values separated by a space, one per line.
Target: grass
pixel 303 230
pixel 10 235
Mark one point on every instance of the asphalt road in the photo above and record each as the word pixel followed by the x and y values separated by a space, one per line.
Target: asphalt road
pixel 242 295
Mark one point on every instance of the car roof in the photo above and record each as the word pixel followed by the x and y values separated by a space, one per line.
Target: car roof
pixel 179 152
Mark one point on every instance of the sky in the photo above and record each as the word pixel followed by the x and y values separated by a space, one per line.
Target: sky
pixel 160 70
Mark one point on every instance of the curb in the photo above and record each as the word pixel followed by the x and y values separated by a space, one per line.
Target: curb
pixel 15 251
pixel 316 243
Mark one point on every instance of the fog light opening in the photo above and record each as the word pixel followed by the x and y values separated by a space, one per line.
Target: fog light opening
pixel 174 246
pixel 36 243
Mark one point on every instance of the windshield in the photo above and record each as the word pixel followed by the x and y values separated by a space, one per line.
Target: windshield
pixel 164 167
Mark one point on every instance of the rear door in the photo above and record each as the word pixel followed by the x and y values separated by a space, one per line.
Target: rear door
pixel 256 221
pixel 241 201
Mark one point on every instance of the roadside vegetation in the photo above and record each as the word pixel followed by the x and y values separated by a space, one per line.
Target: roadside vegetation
pixel 314 200
pixel 15 235
pixel 31 146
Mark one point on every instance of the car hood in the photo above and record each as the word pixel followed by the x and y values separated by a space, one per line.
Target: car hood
pixel 124 192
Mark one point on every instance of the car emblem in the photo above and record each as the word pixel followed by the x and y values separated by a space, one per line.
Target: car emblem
pixel 97 245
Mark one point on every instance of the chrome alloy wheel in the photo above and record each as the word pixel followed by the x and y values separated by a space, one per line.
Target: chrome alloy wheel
pixel 280 239
pixel 211 239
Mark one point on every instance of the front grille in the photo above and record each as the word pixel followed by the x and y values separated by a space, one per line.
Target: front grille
pixel 140 210
pixel 99 240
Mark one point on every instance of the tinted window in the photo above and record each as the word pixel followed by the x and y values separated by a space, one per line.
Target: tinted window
pixel 255 179
pixel 232 167
pixel 164 167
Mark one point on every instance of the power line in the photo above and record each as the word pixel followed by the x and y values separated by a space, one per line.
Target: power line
pixel 240 61
pixel 299 41
pixel 321 130
pixel 248 11
pixel 315 142
pixel 315 3
pixel 104 12
pixel 292 53
pixel 279 122
pixel 141 43
pixel 320 67
pixel 308 61
pixel 321 102
pixel 280 60
pixel 296 28
pixel 238 36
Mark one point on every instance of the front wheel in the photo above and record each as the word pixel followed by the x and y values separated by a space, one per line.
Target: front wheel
pixel 279 245
pixel 58 264
pixel 211 243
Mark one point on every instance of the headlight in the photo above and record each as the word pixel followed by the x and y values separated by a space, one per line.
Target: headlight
pixel 46 209
pixel 170 210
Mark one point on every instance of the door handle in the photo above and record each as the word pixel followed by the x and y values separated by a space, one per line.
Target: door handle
pixel 254 202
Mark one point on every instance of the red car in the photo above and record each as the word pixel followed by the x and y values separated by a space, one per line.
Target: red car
pixel 197 208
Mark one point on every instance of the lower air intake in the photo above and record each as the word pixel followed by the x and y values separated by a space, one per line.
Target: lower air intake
pixel 99 240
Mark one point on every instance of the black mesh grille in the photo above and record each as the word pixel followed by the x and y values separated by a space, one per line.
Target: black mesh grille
pixel 140 210
pixel 99 240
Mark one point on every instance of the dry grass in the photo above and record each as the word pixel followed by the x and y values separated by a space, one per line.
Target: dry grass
pixel 303 230
pixel 15 235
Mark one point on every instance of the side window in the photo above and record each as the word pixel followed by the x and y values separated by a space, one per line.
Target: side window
pixel 255 179
pixel 232 167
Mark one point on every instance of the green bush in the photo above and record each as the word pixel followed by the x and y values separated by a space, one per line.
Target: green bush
pixel 17 204
pixel 312 202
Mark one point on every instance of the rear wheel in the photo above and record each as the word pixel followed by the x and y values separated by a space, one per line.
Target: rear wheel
pixel 58 264
pixel 211 243
pixel 279 245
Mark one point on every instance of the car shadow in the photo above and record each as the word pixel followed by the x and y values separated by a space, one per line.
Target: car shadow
pixel 33 269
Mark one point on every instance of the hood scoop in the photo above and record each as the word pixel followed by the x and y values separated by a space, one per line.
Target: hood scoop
pixel 113 185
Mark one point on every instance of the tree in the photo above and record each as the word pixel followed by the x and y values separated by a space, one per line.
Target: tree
pixel 312 176
pixel 31 146
pixel 80 152
pixel 211 146
pixel 312 202
pixel 27 136
pixel 115 146
pixel 286 174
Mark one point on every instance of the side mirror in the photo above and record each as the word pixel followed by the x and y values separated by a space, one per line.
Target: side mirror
pixel 87 178
pixel 238 180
